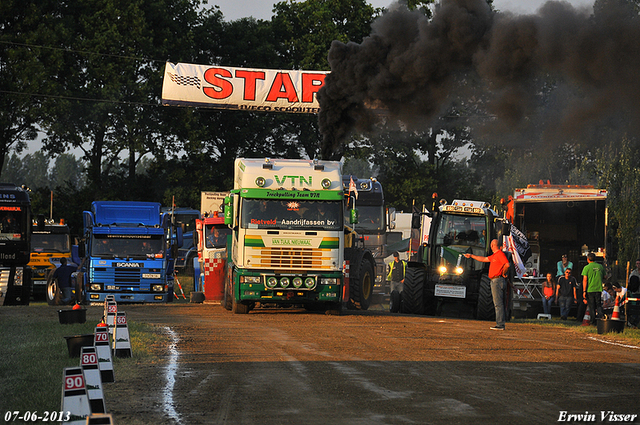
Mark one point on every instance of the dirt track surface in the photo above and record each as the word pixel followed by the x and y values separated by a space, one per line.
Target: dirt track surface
pixel 294 367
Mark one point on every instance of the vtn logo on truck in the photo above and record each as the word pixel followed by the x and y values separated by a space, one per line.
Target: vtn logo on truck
pixel 138 265
pixel 303 179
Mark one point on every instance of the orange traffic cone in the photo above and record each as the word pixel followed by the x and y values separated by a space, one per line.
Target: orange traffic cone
pixel 586 321
pixel 616 310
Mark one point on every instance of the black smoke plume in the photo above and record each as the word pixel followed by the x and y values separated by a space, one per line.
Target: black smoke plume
pixel 412 68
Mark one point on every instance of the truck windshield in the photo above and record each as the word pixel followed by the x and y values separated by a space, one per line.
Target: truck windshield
pixel 217 235
pixel 47 242
pixel 291 215
pixel 127 246
pixel 12 223
pixel 370 219
pixel 461 230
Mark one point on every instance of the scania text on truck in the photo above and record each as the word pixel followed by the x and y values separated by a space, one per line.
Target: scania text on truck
pixel 129 248
pixel 442 274
pixel 373 222
pixel 288 244
pixel 210 239
pixel 15 240
pixel 50 241
pixel 557 220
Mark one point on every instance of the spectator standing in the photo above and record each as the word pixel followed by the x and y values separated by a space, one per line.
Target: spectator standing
pixel 548 291
pixel 563 265
pixel 566 293
pixel 635 272
pixel 396 273
pixel 63 274
pixel 592 275
pixel 498 269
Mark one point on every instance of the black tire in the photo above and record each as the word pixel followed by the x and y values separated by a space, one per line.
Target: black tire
pixel 361 285
pixel 79 288
pixel 413 290
pixel 333 309
pixel 485 309
pixel 395 300
pixel 196 297
pixel 239 308
pixel 53 292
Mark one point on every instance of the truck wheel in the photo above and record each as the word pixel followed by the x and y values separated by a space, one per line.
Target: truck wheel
pixel 394 301
pixel 485 309
pixel 361 286
pixel 54 295
pixel 79 288
pixel 333 309
pixel 413 290
pixel 239 308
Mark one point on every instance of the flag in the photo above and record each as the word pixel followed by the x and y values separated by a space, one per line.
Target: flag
pixel 515 256
pixel 521 243
pixel 352 188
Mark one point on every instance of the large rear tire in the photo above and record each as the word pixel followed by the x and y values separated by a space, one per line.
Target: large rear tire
pixel 413 290
pixel 361 285
pixel 485 309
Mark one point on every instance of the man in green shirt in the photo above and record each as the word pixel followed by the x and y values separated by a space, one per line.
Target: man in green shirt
pixel 592 276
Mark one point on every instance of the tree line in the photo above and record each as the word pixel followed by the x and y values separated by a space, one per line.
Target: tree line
pixel 85 76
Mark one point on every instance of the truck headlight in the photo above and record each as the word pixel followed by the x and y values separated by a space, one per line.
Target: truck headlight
pixel 284 282
pixel 310 283
pixel 330 281
pixel 297 282
pixel 250 279
pixel 95 287
pixel 272 282
pixel 157 288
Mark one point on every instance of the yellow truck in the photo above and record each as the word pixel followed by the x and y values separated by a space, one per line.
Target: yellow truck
pixel 50 242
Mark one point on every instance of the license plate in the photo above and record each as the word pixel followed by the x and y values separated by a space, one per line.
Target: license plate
pixel 451 291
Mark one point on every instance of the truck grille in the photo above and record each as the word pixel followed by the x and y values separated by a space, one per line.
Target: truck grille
pixel 290 258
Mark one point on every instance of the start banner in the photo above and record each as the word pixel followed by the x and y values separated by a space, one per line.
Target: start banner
pixel 241 88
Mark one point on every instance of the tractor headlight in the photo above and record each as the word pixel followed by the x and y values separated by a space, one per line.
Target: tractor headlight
pixel 458 270
pixel 442 269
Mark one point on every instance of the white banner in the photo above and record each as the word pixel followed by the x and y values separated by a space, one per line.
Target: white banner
pixel 241 88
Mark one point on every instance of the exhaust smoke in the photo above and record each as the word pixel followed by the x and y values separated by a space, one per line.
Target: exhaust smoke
pixel 563 72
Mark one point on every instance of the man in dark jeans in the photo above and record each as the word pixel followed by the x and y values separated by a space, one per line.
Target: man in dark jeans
pixel 498 269
pixel 63 274
pixel 592 276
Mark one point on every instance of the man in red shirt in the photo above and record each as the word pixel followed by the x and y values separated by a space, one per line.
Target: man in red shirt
pixel 498 269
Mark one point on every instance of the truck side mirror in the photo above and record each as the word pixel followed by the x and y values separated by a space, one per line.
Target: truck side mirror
pixel 506 228
pixel 392 218
pixel 353 216
pixel 228 210
pixel 179 235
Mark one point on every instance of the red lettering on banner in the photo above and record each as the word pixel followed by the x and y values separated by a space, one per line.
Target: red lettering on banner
pixel 311 83
pixel 215 77
pixel 282 81
pixel 250 78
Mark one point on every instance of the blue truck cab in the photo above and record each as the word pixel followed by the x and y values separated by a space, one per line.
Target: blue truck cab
pixel 128 249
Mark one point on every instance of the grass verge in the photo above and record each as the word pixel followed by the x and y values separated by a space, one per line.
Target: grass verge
pixel 34 353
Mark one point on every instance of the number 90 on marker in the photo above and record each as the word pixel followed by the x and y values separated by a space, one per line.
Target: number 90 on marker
pixel 73 382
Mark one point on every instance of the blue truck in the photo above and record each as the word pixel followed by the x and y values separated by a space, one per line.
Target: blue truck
pixel 129 251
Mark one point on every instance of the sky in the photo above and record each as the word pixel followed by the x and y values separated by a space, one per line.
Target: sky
pixel 262 9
